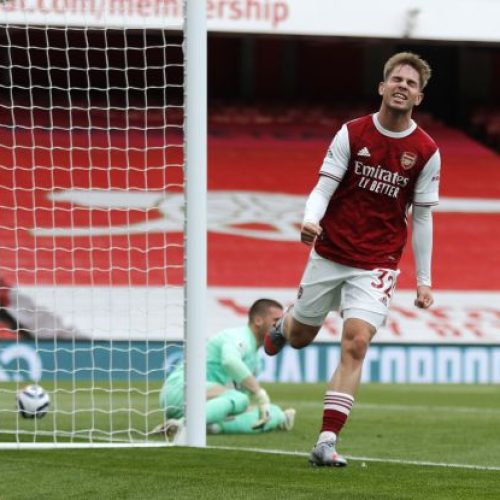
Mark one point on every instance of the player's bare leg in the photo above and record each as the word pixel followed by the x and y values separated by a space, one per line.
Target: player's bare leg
pixel 356 337
pixel 289 330
pixel 339 396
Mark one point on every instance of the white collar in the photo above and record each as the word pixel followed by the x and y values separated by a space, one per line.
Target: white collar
pixel 390 133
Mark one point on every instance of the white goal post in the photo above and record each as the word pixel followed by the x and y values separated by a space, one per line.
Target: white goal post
pixel 103 122
pixel 196 218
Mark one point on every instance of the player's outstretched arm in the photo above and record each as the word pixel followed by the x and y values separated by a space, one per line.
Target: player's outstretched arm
pixel 424 299
pixel 260 398
pixel 309 232
pixel 422 251
pixel 315 208
pixel 264 405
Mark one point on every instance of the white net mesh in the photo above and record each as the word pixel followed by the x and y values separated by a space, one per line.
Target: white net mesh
pixel 91 292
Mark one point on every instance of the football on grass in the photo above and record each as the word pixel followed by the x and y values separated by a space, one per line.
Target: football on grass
pixel 33 401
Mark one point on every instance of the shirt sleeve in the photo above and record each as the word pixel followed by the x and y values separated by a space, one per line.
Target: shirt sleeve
pixel 422 243
pixel 318 199
pixel 332 171
pixel 337 157
pixel 232 353
pixel 427 186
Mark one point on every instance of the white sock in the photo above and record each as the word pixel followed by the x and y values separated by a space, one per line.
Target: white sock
pixel 326 436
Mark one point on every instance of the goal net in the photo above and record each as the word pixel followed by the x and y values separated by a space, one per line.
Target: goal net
pixel 92 246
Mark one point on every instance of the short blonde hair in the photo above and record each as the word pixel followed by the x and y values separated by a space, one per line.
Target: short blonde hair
pixel 411 59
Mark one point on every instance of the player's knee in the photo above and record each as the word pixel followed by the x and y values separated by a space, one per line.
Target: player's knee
pixel 239 400
pixel 357 347
pixel 355 344
pixel 356 338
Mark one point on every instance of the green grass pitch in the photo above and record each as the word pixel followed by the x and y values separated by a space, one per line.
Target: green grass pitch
pixel 404 442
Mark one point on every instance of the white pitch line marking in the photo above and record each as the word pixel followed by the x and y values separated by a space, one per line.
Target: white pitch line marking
pixel 453 409
pixel 423 463
pixel 392 407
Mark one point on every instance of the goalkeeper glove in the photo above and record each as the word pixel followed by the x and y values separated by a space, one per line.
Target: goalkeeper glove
pixel 264 405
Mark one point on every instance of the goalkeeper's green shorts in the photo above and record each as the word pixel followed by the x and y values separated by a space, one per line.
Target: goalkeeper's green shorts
pixel 172 394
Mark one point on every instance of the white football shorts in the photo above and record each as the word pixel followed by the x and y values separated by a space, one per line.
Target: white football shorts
pixel 356 293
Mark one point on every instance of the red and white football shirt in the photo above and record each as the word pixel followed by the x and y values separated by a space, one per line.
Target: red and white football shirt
pixel 380 174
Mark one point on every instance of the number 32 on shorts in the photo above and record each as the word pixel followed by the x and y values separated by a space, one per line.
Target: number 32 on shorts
pixel 385 281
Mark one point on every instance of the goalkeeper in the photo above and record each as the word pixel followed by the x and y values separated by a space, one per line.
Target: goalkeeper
pixel 236 403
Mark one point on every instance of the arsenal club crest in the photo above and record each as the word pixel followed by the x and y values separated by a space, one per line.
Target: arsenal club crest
pixel 408 160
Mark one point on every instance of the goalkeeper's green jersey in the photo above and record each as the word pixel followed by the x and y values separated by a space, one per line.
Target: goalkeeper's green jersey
pixel 232 356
